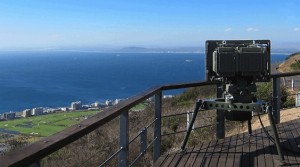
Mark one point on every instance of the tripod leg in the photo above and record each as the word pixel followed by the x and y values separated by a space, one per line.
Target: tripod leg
pixel 198 105
pixel 249 127
pixel 275 133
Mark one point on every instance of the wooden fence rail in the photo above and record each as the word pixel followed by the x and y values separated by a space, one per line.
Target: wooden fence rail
pixel 32 153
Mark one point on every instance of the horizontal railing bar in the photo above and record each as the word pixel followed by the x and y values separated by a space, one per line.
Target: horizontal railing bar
pixel 151 123
pixel 167 134
pixel 172 115
pixel 113 155
pixel 186 85
pixel 46 146
pixel 139 156
pixel 286 74
pixel 140 132
pixel 200 127
pixel 96 153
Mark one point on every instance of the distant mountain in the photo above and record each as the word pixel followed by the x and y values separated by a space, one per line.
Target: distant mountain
pixel 161 50
pixel 134 50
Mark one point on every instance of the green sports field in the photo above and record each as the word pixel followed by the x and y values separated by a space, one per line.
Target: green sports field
pixel 46 125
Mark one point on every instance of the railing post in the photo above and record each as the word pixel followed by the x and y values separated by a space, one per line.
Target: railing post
pixel 189 116
pixel 276 99
pixel 124 139
pixel 143 141
pixel 220 116
pixel 157 126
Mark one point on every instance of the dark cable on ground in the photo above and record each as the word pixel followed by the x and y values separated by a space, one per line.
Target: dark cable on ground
pixel 272 139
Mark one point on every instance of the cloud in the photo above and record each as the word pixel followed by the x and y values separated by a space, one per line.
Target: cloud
pixel 296 29
pixel 227 29
pixel 250 29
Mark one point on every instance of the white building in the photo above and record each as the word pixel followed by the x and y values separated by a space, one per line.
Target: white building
pixel 26 113
pixel 96 105
pixel 64 109
pixel 37 111
pixel 168 96
pixel 9 116
pixel 108 103
pixel 76 105
pixel 117 101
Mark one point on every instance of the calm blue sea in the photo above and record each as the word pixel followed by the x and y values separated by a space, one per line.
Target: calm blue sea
pixel 53 79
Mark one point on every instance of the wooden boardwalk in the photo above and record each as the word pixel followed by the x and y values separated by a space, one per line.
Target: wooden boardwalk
pixel 241 150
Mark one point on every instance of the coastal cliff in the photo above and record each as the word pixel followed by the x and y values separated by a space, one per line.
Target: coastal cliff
pixel 292 63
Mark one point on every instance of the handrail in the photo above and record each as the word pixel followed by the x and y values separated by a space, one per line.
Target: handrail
pixel 186 85
pixel 40 149
pixel 46 146
pixel 286 74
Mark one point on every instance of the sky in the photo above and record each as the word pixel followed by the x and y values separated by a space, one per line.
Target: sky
pixel 41 24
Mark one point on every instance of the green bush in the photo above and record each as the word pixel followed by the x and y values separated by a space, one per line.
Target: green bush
pixel 264 92
pixel 290 102
pixel 192 94
pixel 296 65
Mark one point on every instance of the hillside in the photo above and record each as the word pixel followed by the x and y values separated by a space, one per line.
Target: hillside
pixel 103 142
pixel 291 61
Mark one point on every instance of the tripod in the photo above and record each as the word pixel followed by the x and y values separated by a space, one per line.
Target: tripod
pixel 246 107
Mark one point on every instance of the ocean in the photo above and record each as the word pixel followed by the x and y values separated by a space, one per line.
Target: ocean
pixel 55 79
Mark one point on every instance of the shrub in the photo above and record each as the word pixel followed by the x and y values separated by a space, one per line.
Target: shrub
pixel 264 92
pixel 192 94
pixel 296 65
pixel 290 102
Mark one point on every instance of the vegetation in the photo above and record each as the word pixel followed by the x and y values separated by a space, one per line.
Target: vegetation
pixel 97 146
pixel 140 107
pixel 45 125
pixel 94 148
pixel 292 63
pixel 296 65
pixel 264 92
pixel 292 55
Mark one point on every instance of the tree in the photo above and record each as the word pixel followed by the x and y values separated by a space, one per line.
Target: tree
pixel 264 92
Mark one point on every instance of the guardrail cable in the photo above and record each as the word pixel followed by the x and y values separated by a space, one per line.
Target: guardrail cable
pixel 142 153
pixel 96 153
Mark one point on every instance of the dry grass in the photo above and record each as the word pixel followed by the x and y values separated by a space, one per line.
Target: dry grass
pixel 285 116
pixel 286 65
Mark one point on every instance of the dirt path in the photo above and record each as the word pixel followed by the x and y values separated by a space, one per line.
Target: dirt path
pixel 285 116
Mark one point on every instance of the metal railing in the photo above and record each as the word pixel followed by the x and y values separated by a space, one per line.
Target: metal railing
pixel 32 154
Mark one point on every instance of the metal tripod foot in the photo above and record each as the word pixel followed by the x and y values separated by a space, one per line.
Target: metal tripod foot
pixel 276 137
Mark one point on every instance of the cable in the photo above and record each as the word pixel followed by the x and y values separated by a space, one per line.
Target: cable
pixel 96 153
pixel 272 139
pixel 249 135
pixel 264 129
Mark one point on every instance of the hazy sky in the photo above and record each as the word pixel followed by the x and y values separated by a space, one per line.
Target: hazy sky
pixel 150 23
